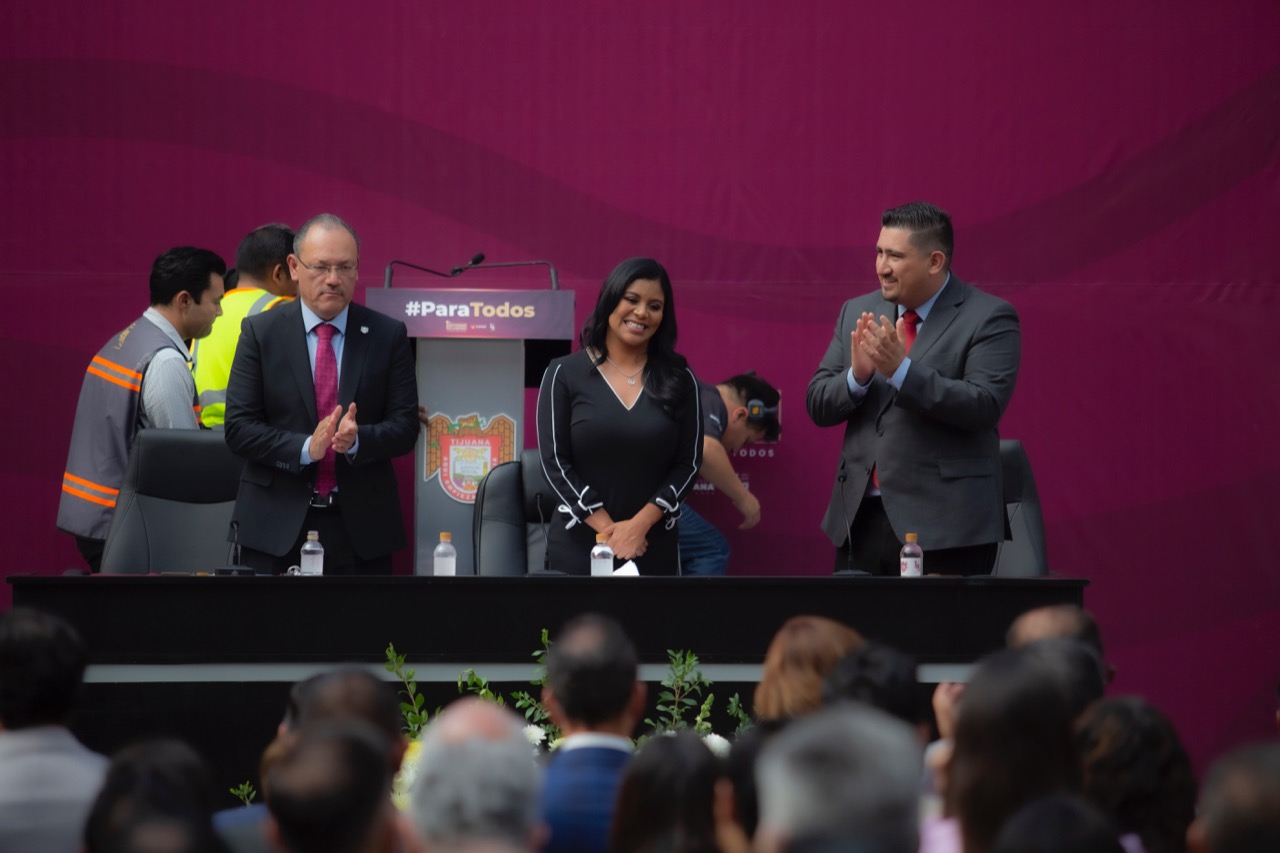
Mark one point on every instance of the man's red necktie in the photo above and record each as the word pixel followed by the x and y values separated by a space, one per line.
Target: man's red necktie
pixel 326 382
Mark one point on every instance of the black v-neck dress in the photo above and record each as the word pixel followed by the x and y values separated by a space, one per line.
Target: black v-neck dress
pixel 598 453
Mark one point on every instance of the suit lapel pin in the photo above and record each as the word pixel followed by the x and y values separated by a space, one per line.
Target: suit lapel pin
pixel 364 330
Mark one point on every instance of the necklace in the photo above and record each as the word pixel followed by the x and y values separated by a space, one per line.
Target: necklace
pixel 631 380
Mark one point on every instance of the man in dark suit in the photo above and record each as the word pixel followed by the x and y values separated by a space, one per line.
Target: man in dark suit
pixel 921 451
pixel 322 396
pixel 593 696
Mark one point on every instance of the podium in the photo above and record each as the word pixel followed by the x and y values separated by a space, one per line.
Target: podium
pixel 477 352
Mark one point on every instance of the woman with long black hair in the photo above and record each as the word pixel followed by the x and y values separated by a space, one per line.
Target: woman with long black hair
pixel 619 428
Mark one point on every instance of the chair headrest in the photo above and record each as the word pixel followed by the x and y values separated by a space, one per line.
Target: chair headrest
pixel 189 465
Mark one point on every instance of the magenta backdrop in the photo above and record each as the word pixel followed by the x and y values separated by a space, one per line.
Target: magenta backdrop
pixel 1113 170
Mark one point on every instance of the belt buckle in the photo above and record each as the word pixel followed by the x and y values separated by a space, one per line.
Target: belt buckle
pixel 319 501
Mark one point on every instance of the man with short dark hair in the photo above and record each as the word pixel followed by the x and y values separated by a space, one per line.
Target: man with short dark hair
pixel 263 282
pixel 918 374
pixel 1056 621
pixel 322 396
pixel 48 780
pixel 1240 808
pixel 140 378
pixel 330 791
pixel 739 411
pixel 593 695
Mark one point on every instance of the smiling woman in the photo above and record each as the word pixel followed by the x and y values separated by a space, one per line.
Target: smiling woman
pixel 619 427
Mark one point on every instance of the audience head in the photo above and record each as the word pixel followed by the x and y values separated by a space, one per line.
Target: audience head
pixel 156 783
pixel 263 258
pixel 477 780
pixel 880 676
pixel 1060 823
pixel 1240 807
pixel 1013 744
pixel 1076 666
pixel 849 773
pixel 591 677
pixel 666 797
pixel 740 770
pixel 330 792
pixel 355 694
pixel 42 661
pixel 802 653
pixel 1058 620
pixel 1137 772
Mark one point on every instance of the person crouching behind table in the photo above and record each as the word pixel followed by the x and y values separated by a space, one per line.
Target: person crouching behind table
pixel 620 428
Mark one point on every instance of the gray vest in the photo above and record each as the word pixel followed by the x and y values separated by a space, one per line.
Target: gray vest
pixel 107 419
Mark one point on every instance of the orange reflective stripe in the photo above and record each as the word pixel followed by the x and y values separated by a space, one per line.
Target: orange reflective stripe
pixel 117 368
pixel 67 475
pixel 274 302
pixel 113 380
pixel 87 496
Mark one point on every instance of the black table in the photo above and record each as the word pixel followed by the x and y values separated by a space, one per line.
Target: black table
pixel 210 658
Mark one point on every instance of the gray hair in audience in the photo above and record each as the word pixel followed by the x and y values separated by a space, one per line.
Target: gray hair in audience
pixel 476 783
pixel 849 772
pixel 1240 807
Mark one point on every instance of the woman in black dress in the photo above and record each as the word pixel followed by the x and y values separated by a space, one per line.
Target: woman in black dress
pixel 619 428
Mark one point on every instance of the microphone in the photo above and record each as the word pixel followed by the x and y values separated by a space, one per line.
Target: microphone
pixel 475 260
pixel 848 570
pixel 555 278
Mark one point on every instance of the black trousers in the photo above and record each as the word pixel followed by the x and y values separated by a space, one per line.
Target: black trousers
pixel 872 547
pixel 339 557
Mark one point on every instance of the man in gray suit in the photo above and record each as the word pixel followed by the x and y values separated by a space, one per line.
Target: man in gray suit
pixel 48 780
pixel 919 373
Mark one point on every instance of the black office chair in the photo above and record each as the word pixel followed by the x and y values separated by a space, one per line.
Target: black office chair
pixel 1023 554
pixel 174 509
pixel 514 505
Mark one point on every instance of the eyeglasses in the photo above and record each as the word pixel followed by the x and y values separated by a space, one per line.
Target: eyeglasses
pixel 343 271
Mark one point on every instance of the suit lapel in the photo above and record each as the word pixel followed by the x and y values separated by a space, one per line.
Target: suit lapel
pixel 295 347
pixel 354 349
pixel 943 313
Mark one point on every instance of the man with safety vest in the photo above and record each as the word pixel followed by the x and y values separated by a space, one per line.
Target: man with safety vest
pixel 140 378
pixel 263 268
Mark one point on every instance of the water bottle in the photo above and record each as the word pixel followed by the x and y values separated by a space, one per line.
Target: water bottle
pixel 311 558
pixel 601 557
pixel 446 557
pixel 911 558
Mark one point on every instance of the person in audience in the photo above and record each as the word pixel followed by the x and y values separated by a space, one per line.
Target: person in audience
pixel 1059 620
pixel 1240 808
pixel 330 792
pixel 737 796
pixel 48 780
pixel 1059 823
pixel 921 449
pixel 339 696
pixel 739 411
pixel 666 798
pixel 262 283
pixel 477 781
pixel 802 653
pixel 846 776
pixel 160 782
pixel 1077 668
pixel 882 677
pixel 140 378
pixel 1137 772
pixel 321 398
pixel 594 697
pixel 1013 744
pixel 620 428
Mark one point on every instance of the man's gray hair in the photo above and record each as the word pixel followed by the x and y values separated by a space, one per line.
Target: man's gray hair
pixel 324 220
pixel 848 772
pixel 478 785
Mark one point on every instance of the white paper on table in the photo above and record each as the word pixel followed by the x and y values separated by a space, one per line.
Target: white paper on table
pixel 629 570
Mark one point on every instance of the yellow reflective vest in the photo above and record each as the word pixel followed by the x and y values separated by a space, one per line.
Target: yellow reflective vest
pixel 214 354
